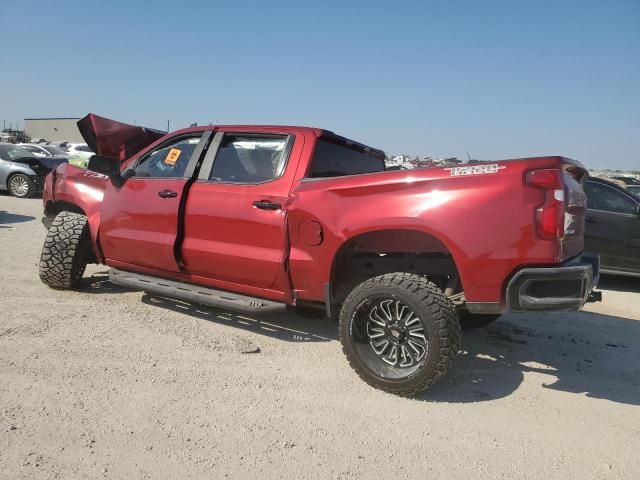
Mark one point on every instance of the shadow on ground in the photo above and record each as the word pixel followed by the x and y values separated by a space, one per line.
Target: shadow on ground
pixel 7 218
pixel 578 352
pixel 99 283
pixel 279 324
pixel 619 283
pixel 5 193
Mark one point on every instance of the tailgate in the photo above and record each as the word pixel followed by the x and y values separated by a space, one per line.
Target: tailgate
pixel 560 210
pixel 572 243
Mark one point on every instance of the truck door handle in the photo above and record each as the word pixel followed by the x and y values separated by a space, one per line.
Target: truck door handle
pixel 267 205
pixel 167 194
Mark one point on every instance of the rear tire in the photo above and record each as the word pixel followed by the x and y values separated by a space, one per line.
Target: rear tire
pixel 407 313
pixel 66 251
pixel 21 185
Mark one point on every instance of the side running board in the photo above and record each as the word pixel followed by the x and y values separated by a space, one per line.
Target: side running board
pixel 192 293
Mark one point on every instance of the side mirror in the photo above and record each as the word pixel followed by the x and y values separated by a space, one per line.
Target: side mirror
pixel 109 166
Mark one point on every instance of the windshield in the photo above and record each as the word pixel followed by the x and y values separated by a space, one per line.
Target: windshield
pixel 13 152
pixel 32 149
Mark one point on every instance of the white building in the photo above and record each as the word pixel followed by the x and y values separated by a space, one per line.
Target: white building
pixel 53 129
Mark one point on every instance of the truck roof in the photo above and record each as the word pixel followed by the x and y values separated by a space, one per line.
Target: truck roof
pixel 117 139
pixel 318 132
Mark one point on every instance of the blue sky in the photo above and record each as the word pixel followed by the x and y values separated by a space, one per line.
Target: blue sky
pixel 497 79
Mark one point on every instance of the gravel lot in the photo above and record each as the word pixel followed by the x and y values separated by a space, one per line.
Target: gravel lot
pixel 110 383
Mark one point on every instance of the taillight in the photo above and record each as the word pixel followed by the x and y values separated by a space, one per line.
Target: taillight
pixel 550 215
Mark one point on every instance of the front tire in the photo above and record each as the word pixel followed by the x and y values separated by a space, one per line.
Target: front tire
pixel 399 332
pixel 21 185
pixel 66 251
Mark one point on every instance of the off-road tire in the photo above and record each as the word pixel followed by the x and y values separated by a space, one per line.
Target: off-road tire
pixel 66 251
pixel 438 317
pixel 470 320
pixel 16 184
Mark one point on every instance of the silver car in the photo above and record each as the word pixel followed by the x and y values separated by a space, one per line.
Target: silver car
pixel 45 150
pixel 21 172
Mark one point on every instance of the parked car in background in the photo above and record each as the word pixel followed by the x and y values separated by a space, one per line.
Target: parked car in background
pixel 80 153
pixel 21 172
pixel 635 189
pixel 78 159
pixel 37 150
pixel 80 150
pixel 626 179
pixel 61 145
pixel 45 150
pixel 613 226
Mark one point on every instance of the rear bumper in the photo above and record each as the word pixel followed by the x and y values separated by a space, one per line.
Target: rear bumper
pixel 553 289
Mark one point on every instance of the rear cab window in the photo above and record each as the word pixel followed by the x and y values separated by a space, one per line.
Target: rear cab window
pixel 335 156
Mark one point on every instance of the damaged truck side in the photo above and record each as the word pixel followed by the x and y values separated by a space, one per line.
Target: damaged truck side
pixel 251 218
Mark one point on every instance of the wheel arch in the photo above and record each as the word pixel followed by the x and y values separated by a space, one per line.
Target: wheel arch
pixel 374 252
pixel 54 207
pixel 17 168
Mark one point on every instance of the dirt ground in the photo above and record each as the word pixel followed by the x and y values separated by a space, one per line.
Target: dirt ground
pixel 110 383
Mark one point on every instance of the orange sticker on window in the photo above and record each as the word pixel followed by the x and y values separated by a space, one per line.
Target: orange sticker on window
pixel 172 156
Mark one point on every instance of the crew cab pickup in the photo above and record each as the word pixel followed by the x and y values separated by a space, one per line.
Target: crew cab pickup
pixel 252 218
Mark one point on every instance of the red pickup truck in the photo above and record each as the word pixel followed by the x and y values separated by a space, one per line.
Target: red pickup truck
pixel 250 217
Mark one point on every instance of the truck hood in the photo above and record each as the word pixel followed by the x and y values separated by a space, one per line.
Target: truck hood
pixel 115 139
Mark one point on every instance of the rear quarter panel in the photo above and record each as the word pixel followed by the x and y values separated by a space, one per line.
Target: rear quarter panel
pixel 486 221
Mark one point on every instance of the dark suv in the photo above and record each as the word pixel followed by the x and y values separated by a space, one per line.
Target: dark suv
pixel 613 226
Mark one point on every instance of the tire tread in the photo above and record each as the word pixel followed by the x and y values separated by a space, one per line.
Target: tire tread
pixel 442 311
pixel 66 250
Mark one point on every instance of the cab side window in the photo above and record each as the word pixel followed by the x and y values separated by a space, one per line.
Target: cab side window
pixel 334 160
pixel 607 199
pixel 250 158
pixel 168 160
